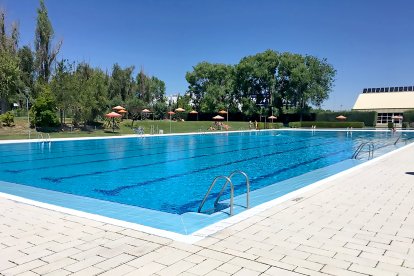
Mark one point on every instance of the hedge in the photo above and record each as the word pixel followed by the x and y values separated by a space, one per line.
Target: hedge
pixel 270 125
pixel 367 117
pixel 408 116
pixel 327 124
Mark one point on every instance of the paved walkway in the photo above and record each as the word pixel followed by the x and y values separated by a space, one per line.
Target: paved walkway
pixel 359 224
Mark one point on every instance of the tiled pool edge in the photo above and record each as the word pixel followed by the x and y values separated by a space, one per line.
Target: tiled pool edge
pixel 215 227
pixel 211 229
pixel 196 133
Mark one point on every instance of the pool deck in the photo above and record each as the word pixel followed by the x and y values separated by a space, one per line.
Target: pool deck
pixel 360 223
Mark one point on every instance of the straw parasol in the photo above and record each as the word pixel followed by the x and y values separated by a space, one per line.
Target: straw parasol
pixel 224 112
pixel 194 112
pixel 218 117
pixel 170 113
pixel 179 110
pixel 341 117
pixel 113 115
pixel 272 118
pixel 118 107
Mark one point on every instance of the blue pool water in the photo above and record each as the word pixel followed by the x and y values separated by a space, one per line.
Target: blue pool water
pixel 172 173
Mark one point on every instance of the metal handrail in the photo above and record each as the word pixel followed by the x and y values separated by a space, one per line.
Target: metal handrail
pixel 223 188
pixel 361 146
pixel 39 137
pixel 247 187
pixel 228 180
pixel 47 139
pixel 398 139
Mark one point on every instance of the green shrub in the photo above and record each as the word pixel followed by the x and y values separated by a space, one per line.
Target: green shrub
pixel 276 125
pixel 390 125
pixel 295 124
pixel 409 116
pixel 405 124
pixel 43 111
pixel 7 118
pixel 327 124
pixel 367 117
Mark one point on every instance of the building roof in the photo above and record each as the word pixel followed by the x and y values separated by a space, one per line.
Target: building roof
pixel 395 100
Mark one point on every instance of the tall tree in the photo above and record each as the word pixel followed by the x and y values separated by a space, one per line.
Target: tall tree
pixel 92 94
pixel 121 84
pixel 211 86
pixel 312 80
pixel 64 88
pixel 9 64
pixel 26 62
pixel 150 89
pixel 45 52
pixel 256 80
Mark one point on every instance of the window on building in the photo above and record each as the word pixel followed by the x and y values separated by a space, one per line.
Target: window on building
pixel 384 118
pixel 386 89
pixel 405 88
pixel 391 89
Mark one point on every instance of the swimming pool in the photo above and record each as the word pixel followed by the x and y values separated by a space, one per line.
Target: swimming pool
pixel 171 174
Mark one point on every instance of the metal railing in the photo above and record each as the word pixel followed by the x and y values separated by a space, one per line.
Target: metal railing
pixel 223 188
pixel 359 149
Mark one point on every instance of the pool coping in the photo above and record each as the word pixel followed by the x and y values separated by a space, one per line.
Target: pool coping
pixel 35 140
pixel 208 230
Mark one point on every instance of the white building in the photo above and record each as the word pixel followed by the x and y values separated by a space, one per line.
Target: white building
pixel 172 99
pixel 389 102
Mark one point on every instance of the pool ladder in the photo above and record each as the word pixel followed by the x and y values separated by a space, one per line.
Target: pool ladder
pixel 43 139
pixel 223 188
pixel 359 149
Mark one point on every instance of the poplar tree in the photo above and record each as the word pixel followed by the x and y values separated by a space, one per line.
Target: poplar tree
pixel 45 53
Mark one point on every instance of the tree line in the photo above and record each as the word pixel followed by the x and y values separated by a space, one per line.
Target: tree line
pixel 58 89
pixel 265 83
pixel 262 84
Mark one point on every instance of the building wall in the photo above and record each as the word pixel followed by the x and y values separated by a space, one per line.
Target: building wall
pixel 385 101
pixel 388 105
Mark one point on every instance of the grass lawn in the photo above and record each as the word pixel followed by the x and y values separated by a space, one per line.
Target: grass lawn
pixel 21 131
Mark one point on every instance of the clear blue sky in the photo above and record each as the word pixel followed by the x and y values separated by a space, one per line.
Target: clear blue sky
pixel 370 43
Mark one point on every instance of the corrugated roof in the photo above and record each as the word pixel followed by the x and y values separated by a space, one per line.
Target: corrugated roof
pixel 385 100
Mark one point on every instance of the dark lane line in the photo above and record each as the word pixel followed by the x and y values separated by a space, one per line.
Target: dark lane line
pixel 92 154
pixel 135 156
pixel 192 205
pixel 115 191
pixel 59 179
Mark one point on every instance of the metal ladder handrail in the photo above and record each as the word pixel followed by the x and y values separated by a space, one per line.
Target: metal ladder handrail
pixel 398 139
pixel 39 136
pixel 228 180
pixel 47 139
pixel 247 188
pixel 361 146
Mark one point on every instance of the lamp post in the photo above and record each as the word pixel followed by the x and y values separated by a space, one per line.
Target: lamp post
pixel 26 93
